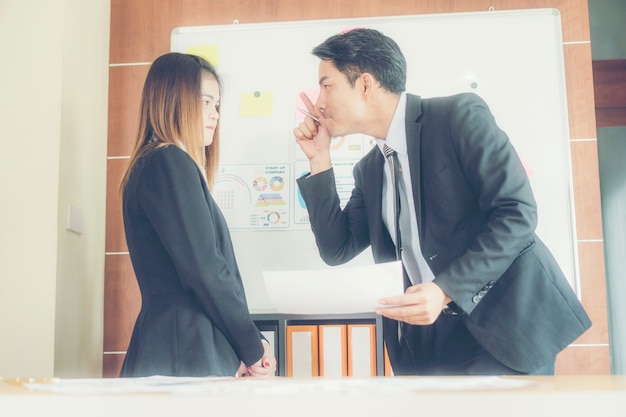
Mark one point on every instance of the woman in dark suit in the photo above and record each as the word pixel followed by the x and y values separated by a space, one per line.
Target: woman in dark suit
pixel 194 319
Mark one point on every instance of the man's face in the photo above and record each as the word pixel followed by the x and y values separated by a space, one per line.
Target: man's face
pixel 340 102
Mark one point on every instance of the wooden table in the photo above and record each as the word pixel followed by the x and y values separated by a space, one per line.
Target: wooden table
pixel 569 396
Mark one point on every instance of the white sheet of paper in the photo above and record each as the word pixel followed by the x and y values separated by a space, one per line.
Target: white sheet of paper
pixel 262 387
pixel 341 290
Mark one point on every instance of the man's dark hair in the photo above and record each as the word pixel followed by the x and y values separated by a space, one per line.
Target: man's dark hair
pixel 366 50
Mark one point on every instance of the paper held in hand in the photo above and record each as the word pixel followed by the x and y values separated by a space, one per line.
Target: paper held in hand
pixel 339 290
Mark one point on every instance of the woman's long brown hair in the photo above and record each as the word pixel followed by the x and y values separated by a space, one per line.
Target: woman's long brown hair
pixel 171 112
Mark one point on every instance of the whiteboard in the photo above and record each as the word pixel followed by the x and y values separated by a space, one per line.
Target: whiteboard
pixel 512 59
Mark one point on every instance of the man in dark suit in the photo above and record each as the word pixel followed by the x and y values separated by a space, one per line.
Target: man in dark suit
pixel 485 294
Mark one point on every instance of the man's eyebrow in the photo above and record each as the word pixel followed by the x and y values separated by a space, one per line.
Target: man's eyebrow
pixel 322 79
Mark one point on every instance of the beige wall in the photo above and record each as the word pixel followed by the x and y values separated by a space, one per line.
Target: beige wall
pixel 53 113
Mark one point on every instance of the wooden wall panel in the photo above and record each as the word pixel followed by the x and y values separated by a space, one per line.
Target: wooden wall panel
pixel 115 238
pixel 586 176
pixel 610 92
pixel 123 302
pixel 611 117
pixel 594 343
pixel 140 31
pixel 574 14
pixel 125 85
pixel 111 364
pixel 593 291
pixel 610 95
pixel 580 360
pixel 579 86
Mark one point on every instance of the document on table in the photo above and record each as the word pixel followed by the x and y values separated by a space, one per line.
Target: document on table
pixel 340 290
pixel 220 386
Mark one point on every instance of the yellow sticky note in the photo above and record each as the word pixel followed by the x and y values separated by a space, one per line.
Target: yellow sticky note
pixel 208 52
pixel 257 103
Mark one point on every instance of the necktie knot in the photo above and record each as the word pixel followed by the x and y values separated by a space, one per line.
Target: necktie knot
pixel 387 151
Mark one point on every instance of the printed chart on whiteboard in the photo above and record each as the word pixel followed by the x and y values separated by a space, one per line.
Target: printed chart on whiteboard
pixel 254 196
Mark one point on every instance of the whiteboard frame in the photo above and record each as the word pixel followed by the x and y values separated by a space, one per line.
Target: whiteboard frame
pixel 288 58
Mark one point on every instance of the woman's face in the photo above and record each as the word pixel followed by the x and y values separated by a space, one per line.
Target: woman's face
pixel 210 107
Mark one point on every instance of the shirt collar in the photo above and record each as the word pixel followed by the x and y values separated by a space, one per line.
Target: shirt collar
pixel 396 136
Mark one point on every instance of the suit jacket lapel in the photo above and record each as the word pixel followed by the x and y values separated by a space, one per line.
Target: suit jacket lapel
pixel 375 171
pixel 413 141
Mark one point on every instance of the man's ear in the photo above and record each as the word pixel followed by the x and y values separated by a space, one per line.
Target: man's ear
pixel 369 86
pixel 368 83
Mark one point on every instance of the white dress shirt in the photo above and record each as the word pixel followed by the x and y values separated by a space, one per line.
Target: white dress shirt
pixel 413 260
